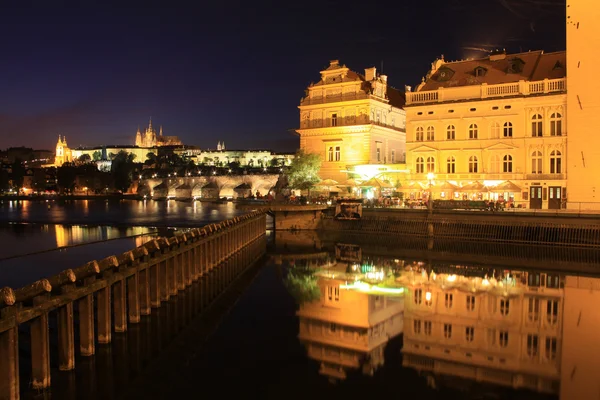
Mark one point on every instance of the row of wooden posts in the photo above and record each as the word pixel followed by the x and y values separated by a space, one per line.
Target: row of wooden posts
pixel 124 287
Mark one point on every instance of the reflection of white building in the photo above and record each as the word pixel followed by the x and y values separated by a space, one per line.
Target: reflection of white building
pixel 506 332
pixel 348 329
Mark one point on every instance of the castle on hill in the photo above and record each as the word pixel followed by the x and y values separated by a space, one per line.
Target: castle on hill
pixel 150 139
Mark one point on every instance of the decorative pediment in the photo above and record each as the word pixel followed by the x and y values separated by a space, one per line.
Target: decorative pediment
pixel 423 149
pixel 500 146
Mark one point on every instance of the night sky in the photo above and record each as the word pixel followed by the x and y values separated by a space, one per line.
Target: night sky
pixel 229 71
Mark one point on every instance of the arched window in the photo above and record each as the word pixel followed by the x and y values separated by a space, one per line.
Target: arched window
pixel 494 164
pixel 430 164
pixel 450 132
pixel 473 131
pixel 536 125
pixel 555 162
pixel 536 162
pixel 330 153
pixel 419 134
pixel 556 124
pixel 508 129
pixel 450 165
pixel 473 165
pixel 507 163
pixel 430 133
pixel 420 165
pixel 495 130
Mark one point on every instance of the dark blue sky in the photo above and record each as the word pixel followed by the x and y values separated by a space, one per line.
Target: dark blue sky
pixel 232 71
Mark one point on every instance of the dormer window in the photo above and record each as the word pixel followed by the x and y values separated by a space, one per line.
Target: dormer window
pixel 515 66
pixel 444 74
pixel 479 72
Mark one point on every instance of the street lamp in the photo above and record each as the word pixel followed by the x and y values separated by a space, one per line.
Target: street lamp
pixel 430 177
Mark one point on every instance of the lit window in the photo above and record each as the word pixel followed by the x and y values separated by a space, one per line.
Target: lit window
pixel 473 131
pixel 473 165
pixel 451 165
pixel 469 333
pixel 418 296
pixel 448 300
pixel 504 306
pixel 430 133
pixel 427 328
pixel 448 331
pixel 420 165
pixel 430 164
pixel 556 124
pixel 532 345
pixel 536 162
pixel 555 162
pixel 507 163
pixel 534 310
pixel 536 125
pixel 451 132
pixel 417 326
pixel 419 135
pixel 470 303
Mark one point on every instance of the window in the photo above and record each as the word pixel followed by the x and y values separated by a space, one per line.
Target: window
pixel 420 165
pixel 552 281
pixel 419 136
pixel 536 125
pixel 418 296
pixel 473 131
pixel 450 165
pixel 430 133
pixel 507 163
pixel 532 345
pixel 428 299
pixel 450 132
pixel 332 327
pixel 448 300
pixel 504 306
pixel 378 153
pixel 503 338
pixel 533 279
pixel 448 331
pixel 534 310
pixel 536 162
pixel 495 130
pixel 378 116
pixel 508 131
pixel 469 333
pixel 556 124
pixel 330 153
pixel 330 292
pixel 552 311
pixel 430 164
pixel 337 153
pixel 473 165
pixel 393 156
pixel 470 303
pixel 417 326
pixel 555 162
pixel 427 328
pixel 336 293
pixel 333 119
pixel 551 348
pixel 494 164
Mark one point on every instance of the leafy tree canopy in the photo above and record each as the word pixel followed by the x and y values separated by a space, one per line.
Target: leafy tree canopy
pixel 303 172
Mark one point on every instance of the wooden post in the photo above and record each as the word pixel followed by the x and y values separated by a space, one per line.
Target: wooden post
pixel 172 275
pixel 154 285
pixel 103 299
pixel 144 291
pixel 165 287
pixel 40 348
pixel 120 306
pixel 9 349
pixel 188 266
pixel 133 295
pixel 66 335
pixel 87 347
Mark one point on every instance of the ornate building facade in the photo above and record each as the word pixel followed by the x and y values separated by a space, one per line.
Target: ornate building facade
pixel 63 152
pixel 352 119
pixel 150 139
pixel 491 128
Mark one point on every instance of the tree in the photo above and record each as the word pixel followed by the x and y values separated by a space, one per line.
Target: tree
pixel 85 158
pixel 151 159
pixel 303 172
pixel 97 156
pixel 18 173
pixel 65 176
pixel 302 285
pixel 122 168
pixel 39 180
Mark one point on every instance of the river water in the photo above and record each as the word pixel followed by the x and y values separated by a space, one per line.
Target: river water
pixel 325 317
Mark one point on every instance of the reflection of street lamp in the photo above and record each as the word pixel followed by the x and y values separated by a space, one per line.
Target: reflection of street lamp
pixel 430 177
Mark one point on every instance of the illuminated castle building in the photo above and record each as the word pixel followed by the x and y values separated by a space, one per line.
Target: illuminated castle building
pixel 352 119
pixel 63 152
pixel 150 139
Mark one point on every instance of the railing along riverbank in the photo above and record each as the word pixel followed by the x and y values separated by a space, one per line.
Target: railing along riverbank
pixel 117 291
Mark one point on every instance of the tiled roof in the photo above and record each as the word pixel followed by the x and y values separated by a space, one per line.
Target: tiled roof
pixel 529 66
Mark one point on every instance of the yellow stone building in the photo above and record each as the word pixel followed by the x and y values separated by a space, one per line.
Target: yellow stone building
pixel 150 139
pixel 583 105
pixel 63 152
pixel 352 119
pixel 490 128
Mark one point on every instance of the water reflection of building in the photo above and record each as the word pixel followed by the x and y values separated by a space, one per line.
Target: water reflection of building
pixel 347 329
pixel 505 330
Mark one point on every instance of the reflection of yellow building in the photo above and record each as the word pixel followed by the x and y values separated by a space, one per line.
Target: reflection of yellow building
pixel 506 332
pixel 350 119
pixel 348 329
pixel 63 152
pixel 498 120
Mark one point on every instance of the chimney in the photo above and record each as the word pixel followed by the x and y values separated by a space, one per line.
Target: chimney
pixel 370 74
pixel 334 63
pixel 383 78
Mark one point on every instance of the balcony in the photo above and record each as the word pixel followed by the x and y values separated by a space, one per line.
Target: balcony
pixel 307 101
pixel 485 91
pixel 545 177
pixel 340 122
